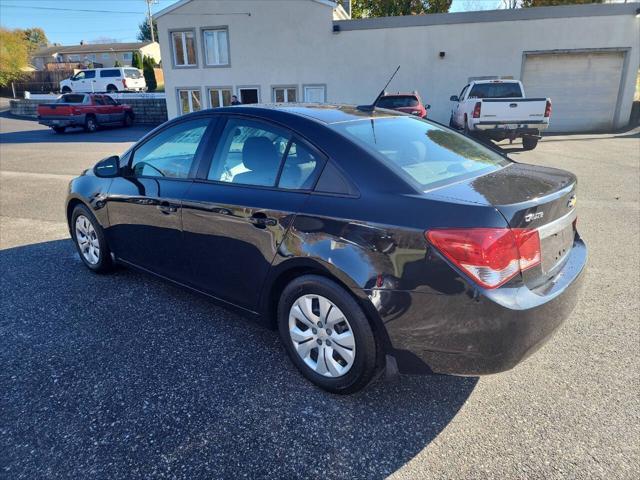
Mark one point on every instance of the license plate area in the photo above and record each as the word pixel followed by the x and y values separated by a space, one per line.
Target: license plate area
pixel 556 241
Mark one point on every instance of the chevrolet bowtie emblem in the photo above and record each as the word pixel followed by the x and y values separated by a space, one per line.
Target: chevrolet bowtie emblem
pixel 572 202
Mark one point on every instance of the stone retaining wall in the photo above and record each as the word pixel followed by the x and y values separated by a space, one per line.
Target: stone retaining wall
pixel 151 111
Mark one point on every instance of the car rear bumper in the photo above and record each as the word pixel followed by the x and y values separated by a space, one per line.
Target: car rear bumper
pixel 67 121
pixel 510 129
pixel 475 333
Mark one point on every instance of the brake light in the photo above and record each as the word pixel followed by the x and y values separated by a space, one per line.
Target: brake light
pixel 547 109
pixel 124 82
pixel 476 110
pixel 491 256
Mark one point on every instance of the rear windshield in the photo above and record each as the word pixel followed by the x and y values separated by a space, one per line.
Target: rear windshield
pixel 397 101
pixel 425 154
pixel 496 90
pixel 72 98
pixel 132 73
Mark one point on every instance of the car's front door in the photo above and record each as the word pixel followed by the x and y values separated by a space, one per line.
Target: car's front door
pixel 237 212
pixel 144 204
pixel 103 111
pixel 459 108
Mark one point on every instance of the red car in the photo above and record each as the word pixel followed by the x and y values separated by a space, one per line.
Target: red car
pixel 404 102
pixel 84 110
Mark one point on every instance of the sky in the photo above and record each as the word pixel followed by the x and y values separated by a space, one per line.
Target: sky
pixel 72 25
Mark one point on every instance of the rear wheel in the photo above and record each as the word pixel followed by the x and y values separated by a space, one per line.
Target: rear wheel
pixel 90 124
pixel 59 129
pixel 529 143
pixel 112 89
pixel 90 241
pixel 327 335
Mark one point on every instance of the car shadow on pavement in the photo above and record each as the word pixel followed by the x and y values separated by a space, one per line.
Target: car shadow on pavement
pixel 122 375
pixel 73 135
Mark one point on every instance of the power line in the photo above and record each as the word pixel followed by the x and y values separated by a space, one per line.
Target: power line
pixel 59 9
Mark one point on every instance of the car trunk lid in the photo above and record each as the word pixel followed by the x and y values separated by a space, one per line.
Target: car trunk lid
pixel 528 197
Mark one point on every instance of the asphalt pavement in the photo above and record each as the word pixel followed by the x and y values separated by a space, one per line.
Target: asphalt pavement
pixel 124 376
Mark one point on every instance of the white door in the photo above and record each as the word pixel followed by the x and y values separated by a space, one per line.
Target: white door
pixel 583 88
pixel 315 94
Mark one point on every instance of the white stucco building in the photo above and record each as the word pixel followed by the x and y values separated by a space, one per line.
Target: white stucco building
pixel 585 57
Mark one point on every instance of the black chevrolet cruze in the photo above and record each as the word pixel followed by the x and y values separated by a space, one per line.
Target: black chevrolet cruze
pixel 370 239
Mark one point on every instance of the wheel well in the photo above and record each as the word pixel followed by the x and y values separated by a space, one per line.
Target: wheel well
pixel 280 283
pixel 112 86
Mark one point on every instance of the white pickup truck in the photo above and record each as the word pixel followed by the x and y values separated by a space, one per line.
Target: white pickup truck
pixel 498 109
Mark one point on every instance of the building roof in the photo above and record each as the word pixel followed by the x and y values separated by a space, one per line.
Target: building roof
pixel 505 15
pixel 180 3
pixel 90 48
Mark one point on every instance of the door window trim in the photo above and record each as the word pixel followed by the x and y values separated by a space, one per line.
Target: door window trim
pixel 197 157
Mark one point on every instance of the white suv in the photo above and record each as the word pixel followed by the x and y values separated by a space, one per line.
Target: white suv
pixel 111 80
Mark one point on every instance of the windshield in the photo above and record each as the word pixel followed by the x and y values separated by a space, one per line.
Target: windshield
pixel 425 154
pixel 132 73
pixel 397 101
pixel 496 90
pixel 71 98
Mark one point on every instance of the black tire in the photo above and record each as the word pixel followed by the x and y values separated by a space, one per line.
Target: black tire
pixel 529 143
pixel 367 350
pixel 467 132
pixel 451 123
pixel 59 129
pixel 112 89
pixel 103 263
pixel 66 90
pixel 128 120
pixel 90 124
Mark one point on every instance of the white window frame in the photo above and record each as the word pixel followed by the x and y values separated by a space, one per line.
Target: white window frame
pixel 314 85
pixel 220 89
pixel 286 88
pixel 203 32
pixel 188 89
pixel 185 54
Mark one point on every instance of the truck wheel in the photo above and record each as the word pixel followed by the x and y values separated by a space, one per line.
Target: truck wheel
pixel 66 90
pixel 128 120
pixel 451 124
pixel 112 89
pixel 59 129
pixel 90 125
pixel 529 143
pixel 467 132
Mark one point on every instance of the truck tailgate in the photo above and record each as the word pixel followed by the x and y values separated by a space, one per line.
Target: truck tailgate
pixel 518 110
pixel 55 109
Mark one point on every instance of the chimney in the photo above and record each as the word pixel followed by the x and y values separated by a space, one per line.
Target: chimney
pixel 81 42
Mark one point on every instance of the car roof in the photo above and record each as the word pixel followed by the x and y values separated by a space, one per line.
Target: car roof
pixel 324 113
pixel 400 94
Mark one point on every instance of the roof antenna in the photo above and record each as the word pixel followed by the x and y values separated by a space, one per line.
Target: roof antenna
pixel 371 108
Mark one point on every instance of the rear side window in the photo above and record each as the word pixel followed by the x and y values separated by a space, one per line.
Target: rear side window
pixel 398 101
pixel 300 167
pixel 426 155
pixel 496 90
pixel 110 73
pixel 132 73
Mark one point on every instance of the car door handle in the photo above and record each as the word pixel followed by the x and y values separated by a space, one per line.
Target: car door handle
pixel 260 221
pixel 167 208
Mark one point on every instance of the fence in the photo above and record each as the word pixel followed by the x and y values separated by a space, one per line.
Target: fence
pixel 36 82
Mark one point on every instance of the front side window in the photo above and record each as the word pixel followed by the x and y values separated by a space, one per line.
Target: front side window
pixel 170 153
pixel 79 76
pixel 285 94
pixel 249 153
pixel 109 101
pixel 219 97
pixel 216 47
pixel 98 100
pixel 189 101
pixel 90 74
pixel 184 49
pixel 423 153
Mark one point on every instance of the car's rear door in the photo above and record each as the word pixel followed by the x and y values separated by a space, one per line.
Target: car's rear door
pixel 144 204
pixel 102 110
pixel 238 210
pixel 116 111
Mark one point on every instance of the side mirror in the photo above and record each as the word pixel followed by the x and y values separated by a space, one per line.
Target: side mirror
pixel 107 168
pixel 454 98
pixel 428 106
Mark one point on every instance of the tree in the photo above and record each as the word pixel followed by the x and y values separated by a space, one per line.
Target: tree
pixel 547 3
pixel 14 55
pixel 144 34
pixel 117 63
pixel 35 38
pixel 136 60
pixel 391 8
pixel 149 74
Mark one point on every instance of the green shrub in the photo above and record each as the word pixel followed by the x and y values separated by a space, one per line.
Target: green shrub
pixel 149 74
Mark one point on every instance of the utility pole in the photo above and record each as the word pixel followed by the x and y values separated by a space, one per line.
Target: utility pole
pixel 150 19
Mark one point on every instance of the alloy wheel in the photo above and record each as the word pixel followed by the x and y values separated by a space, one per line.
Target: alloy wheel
pixel 322 335
pixel 87 240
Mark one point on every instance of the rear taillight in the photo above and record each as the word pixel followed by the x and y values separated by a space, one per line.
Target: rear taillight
pixel 491 256
pixel 124 82
pixel 476 110
pixel 547 109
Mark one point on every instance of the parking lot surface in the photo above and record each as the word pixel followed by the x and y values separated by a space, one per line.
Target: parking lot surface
pixel 125 376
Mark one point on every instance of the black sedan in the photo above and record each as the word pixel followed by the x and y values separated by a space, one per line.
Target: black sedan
pixel 370 239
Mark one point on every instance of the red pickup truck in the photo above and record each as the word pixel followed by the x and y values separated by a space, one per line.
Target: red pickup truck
pixel 84 110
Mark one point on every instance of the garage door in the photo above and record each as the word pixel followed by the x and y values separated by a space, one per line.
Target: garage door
pixel 583 87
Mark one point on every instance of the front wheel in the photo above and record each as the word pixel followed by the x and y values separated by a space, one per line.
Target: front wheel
pixel 66 90
pixel 529 143
pixel 327 335
pixel 90 241
pixel 59 129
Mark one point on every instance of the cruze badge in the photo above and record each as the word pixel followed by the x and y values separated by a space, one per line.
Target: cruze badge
pixel 572 202
pixel 533 216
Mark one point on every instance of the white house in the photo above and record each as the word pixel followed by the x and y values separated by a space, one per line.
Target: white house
pixel 585 57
